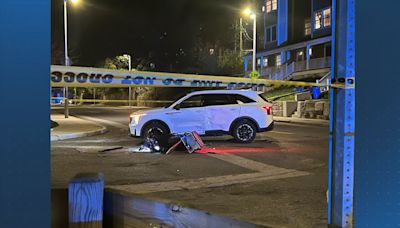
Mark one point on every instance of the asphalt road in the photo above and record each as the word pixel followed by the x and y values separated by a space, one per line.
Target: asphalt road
pixel 280 180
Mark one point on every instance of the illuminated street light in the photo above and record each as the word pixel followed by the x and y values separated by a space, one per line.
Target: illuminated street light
pixel 247 12
pixel 252 15
pixel 67 61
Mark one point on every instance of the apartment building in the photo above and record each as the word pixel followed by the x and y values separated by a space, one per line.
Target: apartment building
pixel 296 40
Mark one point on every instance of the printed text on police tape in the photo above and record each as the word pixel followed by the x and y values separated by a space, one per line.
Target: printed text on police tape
pixel 95 78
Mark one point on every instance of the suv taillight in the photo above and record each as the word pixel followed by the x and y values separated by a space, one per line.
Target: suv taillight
pixel 268 109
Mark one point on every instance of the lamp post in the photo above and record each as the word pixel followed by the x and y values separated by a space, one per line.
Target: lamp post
pixel 66 58
pixel 129 68
pixel 252 15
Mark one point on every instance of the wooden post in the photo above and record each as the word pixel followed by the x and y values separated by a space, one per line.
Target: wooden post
pixel 85 200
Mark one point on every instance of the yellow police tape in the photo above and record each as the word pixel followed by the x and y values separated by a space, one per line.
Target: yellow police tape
pixel 67 76
pixel 109 101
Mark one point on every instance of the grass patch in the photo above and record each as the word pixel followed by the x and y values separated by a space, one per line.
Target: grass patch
pixel 286 98
pixel 53 124
pixel 285 93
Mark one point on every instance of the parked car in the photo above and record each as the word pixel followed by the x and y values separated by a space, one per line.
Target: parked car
pixel 240 113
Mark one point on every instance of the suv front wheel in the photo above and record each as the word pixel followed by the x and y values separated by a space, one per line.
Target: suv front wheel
pixel 244 131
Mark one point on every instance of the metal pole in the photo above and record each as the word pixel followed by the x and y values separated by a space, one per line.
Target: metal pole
pixel 66 111
pixel 241 36
pixel 254 40
pixel 342 115
pixel 130 88
pixel 75 96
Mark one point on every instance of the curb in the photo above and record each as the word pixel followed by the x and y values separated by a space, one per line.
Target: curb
pixel 78 135
pixel 305 122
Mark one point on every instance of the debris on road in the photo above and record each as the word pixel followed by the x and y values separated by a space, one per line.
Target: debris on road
pixel 111 149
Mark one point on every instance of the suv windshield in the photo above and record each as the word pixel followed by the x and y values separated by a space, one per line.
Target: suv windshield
pixel 170 103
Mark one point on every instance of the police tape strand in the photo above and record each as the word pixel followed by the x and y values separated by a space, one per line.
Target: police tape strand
pixel 108 101
pixel 67 76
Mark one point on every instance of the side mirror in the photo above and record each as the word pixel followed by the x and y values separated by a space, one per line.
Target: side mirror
pixel 177 107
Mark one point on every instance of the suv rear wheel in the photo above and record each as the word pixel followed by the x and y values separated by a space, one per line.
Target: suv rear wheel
pixel 244 131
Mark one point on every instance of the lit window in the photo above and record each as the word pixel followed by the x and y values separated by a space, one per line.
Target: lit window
pixel 265 64
pixel 211 51
pixel 327 17
pixel 310 51
pixel 318 20
pixel 263 9
pixel 278 60
pixel 322 18
pixel 258 62
pixel 271 5
pixel 274 4
pixel 307 27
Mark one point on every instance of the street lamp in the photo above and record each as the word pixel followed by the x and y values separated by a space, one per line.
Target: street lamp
pixel 67 61
pixel 129 68
pixel 252 14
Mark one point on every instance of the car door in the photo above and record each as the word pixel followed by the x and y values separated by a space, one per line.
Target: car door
pixel 188 115
pixel 221 110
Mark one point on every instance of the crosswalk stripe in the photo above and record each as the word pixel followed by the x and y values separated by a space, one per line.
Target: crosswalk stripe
pixel 207 182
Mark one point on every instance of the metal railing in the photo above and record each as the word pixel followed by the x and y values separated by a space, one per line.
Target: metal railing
pixel 283 72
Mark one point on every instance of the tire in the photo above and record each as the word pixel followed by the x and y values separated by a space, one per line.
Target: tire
pixel 244 131
pixel 154 126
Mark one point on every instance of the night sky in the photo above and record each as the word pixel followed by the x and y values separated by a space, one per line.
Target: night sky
pixel 155 29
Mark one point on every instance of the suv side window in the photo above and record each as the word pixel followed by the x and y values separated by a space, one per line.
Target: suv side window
pixel 192 102
pixel 243 99
pixel 218 99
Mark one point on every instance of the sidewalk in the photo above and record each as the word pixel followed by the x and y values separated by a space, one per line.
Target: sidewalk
pixel 74 127
pixel 301 120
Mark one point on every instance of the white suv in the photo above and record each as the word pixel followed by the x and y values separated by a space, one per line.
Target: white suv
pixel 240 113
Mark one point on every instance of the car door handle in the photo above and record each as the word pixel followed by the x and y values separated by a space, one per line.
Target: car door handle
pixel 170 113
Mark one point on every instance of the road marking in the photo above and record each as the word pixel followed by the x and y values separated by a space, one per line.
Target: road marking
pixel 248 164
pixel 282 132
pixel 109 122
pixel 206 182
pixel 264 172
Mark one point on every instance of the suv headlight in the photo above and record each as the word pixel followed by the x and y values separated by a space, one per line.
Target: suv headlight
pixel 135 117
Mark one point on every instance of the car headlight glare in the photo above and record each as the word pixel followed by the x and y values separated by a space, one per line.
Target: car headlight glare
pixel 136 117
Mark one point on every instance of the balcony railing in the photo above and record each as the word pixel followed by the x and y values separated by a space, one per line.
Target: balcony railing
pixel 284 72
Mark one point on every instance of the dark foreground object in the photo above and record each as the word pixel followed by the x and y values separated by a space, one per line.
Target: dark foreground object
pixel 128 211
pixel 124 211
pixel 85 200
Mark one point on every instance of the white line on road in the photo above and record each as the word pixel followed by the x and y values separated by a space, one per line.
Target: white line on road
pixel 206 182
pixel 109 122
pixel 264 172
pixel 249 164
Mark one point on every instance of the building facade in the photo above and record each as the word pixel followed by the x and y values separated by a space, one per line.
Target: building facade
pixel 296 40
